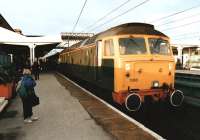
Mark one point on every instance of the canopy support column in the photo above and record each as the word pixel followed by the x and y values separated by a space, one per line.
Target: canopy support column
pixel 180 54
pixel 32 53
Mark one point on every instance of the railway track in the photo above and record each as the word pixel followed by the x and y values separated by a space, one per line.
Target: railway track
pixel 171 123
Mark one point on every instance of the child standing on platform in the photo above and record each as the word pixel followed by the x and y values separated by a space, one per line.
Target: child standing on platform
pixel 26 90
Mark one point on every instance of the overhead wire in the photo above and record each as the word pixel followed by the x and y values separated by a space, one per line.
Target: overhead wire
pixel 186 34
pixel 106 15
pixel 79 16
pixel 183 25
pixel 180 19
pixel 176 13
pixel 140 4
pixel 197 36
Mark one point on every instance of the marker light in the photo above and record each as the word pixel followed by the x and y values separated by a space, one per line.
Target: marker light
pixel 170 66
pixel 127 67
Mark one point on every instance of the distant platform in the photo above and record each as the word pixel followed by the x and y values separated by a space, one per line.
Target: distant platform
pixel 193 72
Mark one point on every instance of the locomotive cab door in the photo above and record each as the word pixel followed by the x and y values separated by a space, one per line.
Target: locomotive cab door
pixel 98 59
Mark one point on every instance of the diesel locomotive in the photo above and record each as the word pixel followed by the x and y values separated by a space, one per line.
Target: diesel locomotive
pixel 133 61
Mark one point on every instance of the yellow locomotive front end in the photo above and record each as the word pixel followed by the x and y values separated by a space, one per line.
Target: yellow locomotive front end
pixel 145 68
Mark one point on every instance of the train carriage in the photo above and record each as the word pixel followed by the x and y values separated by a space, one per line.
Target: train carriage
pixel 132 61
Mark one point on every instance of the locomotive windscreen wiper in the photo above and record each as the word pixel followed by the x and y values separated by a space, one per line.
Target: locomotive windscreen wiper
pixel 154 47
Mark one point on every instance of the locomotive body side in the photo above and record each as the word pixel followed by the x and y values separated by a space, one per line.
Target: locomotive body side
pixel 79 62
pixel 130 64
pixel 87 62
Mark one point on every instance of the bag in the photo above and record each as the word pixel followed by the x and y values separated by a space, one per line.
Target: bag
pixel 22 91
pixel 35 100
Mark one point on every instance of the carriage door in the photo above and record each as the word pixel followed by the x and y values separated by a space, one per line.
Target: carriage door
pixel 98 59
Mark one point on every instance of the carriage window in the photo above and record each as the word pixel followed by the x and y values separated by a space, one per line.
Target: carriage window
pixel 108 48
pixel 159 46
pixel 132 46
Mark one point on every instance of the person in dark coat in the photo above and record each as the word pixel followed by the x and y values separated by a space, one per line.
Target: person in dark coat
pixel 25 90
pixel 36 70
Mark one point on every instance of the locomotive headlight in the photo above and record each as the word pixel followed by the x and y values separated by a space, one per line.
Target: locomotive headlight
pixel 127 67
pixel 155 84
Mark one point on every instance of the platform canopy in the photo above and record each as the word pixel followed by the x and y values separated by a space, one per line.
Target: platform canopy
pixel 9 37
pixel 56 50
pixel 36 45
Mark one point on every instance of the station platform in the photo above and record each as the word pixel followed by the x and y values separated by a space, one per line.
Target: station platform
pixel 66 113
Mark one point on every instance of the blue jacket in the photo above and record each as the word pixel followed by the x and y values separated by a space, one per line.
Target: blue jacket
pixel 27 86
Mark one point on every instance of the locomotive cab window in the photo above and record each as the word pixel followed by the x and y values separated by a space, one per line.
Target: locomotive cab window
pixel 108 48
pixel 159 46
pixel 128 46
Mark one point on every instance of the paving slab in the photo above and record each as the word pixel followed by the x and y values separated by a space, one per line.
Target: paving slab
pixel 62 117
pixel 113 122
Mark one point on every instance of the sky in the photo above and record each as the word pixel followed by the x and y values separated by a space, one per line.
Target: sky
pixel 51 17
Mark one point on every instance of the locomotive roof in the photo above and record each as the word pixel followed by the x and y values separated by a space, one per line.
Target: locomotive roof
pixel 131 28
pixel 128 28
